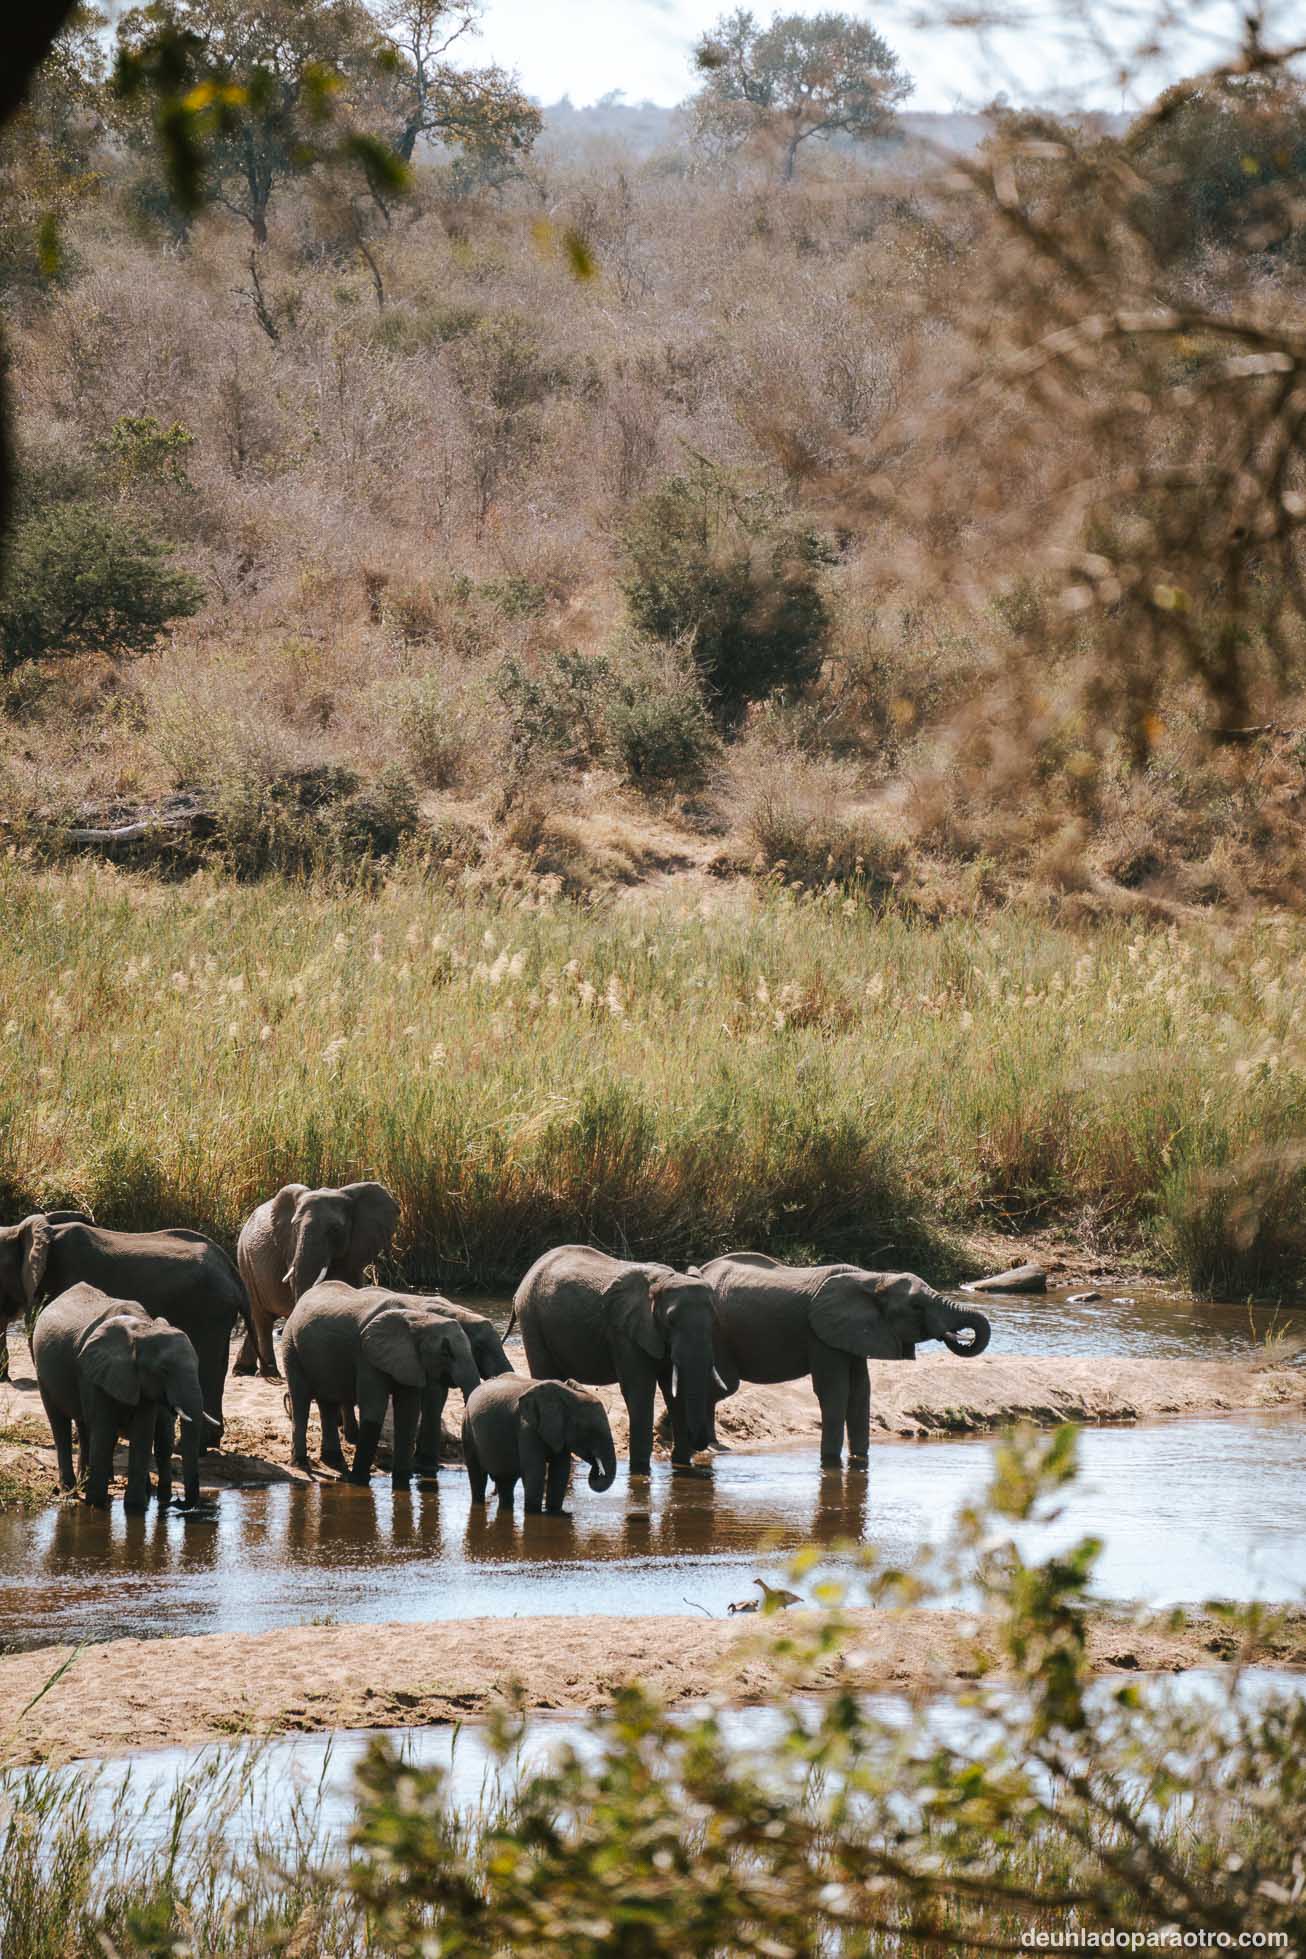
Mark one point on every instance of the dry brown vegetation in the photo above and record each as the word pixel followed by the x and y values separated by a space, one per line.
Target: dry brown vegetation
pixel 407 482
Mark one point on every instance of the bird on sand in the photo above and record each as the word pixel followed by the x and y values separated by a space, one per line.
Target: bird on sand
pixel 774 1598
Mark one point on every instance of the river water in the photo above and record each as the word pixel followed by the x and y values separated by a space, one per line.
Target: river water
pixel 1188 1509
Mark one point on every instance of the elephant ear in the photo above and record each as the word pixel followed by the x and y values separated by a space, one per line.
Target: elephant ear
pixel 373 1216
pixel 283 1210
pixel 850 1312
pixel 389 1344
pixel 108 1358
pixel 34 1237
pixel 628 1304
pixel 545 1409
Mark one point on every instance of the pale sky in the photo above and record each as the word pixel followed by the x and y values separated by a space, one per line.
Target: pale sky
pixel 584 48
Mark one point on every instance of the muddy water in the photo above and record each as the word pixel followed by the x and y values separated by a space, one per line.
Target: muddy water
pixel 1189 1510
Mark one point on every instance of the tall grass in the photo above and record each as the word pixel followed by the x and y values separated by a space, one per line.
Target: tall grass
pixel 766 1069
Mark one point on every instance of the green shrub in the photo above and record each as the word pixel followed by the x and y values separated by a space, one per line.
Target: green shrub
pixel 659 732
pixel 556 709
pixel 719 568
pixel 82 580
pixel 314 819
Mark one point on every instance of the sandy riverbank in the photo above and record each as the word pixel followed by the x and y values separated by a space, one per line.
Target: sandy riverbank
pixel 132 1694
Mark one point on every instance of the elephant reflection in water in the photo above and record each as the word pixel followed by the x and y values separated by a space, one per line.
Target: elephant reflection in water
pixel 684 1520
pixel 90 1545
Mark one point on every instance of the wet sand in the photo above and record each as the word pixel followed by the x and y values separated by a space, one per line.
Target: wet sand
pixel 131 1695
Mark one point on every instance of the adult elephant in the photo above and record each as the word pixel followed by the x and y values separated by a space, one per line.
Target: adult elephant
pixel 587 1317
pixel 178 1276
pixel 299 1237
pixel 778 1322
pixel 8 1311
pixel 345 1346
pixel 487 1352
pixel 106 1368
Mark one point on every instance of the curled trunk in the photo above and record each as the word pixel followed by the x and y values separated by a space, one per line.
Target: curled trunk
pixel 961 1332
pixel 603 1467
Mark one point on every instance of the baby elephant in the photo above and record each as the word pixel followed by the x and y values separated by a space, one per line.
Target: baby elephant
pixel 517 1427
pixel 347 1346
pixel 108 1367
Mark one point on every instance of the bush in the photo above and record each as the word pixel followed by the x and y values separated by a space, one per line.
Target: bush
pixel 556 710
pixel 659 732
pixel 432 731
pixel 813 845
pixel 719 568
pixel 81 580
pixel 313 819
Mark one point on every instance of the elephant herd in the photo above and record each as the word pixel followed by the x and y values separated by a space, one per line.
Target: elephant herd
pixel 133 1331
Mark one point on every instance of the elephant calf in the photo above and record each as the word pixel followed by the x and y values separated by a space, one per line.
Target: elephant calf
pixel 345 1347
pixel 107 1367
pixel 531 1429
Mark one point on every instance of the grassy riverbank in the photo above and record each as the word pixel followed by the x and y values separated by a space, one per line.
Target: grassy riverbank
pixel 674 1077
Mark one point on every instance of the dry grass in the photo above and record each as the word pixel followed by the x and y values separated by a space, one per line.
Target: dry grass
pixel 785 1070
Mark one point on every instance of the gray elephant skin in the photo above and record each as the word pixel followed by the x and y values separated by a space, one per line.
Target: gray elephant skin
pixel 107 1368
pixel 587 1317
pixel 347 1346
pixel 487 1352
pixel 530 1430
pixel 178 1276
pixel 780 1322
pixel 299 1237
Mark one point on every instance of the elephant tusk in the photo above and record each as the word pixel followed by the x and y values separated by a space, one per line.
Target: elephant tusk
pixel 719 1382
pixel 675 1384
pixel 213 1421
pixel 288 1278
pixel 182 1416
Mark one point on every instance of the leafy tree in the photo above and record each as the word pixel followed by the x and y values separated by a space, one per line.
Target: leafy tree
pixel 805 75
pixel 271 71
pixel 482 110
pixel 720 569
pixel 80 579
pixel 1224 161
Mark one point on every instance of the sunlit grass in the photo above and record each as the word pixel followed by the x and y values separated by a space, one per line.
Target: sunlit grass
pixel 762 1069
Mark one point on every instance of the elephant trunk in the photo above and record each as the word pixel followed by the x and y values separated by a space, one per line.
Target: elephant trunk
pixel 692 1400
pixel 952 1325
pixel 603 1466
pixel 466 1379
pixel 311 1262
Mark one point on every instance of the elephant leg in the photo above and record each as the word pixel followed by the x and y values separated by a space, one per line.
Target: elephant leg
pixel 371 1414
pixel 637 1392
pixel 474 1466
pixel 140 1439
pixel 103 1430
pixel 830 1378
pixel 267 1355
pixel 301 1402
pixel 246 1361
pixel 429 1434
pixel 61 1428
pixel 534 1468
pixel 349 1422
pixel 83 1452
pixel 164 1435
pixel 408 1408
pixel 859 1414
pixel 332 1454
pixel 505 1488
pixel 555 1489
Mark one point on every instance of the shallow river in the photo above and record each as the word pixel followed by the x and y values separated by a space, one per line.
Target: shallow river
pixel 1189 1509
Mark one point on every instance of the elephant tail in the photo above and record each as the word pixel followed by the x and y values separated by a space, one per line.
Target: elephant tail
pixel 237 1278
pixel 512 1321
